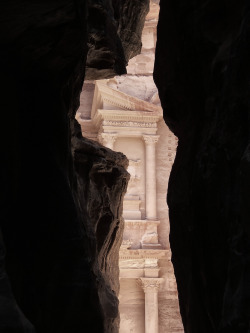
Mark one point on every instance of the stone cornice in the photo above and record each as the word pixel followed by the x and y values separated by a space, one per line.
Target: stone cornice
pixel 144 254
pixel 140 224
pixel 129 123
pixel 121 118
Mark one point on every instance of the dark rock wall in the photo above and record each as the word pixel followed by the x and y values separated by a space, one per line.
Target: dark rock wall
pixel 130 17
pixel 102 183
pixel 52 276
pixel 43 50
pixel 60 217
pixel 202 73
pixel 114 35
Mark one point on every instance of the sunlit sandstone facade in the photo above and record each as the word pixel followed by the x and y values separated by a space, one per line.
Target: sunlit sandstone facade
pixel 124 114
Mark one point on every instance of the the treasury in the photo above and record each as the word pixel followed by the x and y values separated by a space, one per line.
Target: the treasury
pixel 125 166
pixel 124 114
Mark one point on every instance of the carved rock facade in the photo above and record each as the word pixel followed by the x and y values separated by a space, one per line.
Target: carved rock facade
pixel 53 279
pixel 124 115
pixel 47 282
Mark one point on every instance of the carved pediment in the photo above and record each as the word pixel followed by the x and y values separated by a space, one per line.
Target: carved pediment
pixel 107 98
pixel 115 111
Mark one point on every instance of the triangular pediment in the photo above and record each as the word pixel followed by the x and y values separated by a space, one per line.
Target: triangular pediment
pixel 106 98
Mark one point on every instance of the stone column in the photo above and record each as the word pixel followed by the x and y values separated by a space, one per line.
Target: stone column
pixel 107 139
pixel 151 287
pixel 150 141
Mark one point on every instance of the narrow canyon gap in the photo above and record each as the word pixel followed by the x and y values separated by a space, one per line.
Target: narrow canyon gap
pixel 50 247
pixel 52 180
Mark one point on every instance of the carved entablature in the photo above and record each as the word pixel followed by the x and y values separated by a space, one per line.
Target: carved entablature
pixel 131 118
pixel 145 254
pixel 136 224
pixel 126 244
pixel 148 263
pixel 151 262
pixel 141 224
pixel 129 124
pixel 150 284
pixel 132 263
pixel 115 111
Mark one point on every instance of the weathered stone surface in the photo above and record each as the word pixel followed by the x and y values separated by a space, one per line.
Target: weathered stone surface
pixel 48 275
pixel 102 183
pixel 114 35
pixel 49 279
pixel 111 112
pixel 47 261
pixel 202 72
pixel 130 17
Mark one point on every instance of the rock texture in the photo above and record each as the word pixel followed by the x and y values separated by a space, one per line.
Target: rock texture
pixel 202 73
pixel 49 279
pixel 52 277
pixel 102 183
pixel 114 36
pixel 111 112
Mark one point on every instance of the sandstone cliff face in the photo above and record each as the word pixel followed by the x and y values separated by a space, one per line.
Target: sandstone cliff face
pixel 114 36
pixel 101 183
pixel 202 73
pixel 53 278
pixel 49 266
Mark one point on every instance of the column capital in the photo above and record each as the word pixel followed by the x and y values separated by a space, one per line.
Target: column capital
pixel 150 284
pixel 151 139
pixel 107 139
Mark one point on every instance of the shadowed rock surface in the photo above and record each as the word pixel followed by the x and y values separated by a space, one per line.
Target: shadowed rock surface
pixel 53 278
pixel 202 73
pixel 102 183
pixel 114 36
pixel 55 255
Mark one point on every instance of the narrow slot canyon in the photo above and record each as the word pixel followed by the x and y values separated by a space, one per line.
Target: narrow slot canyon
pixel 125 165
